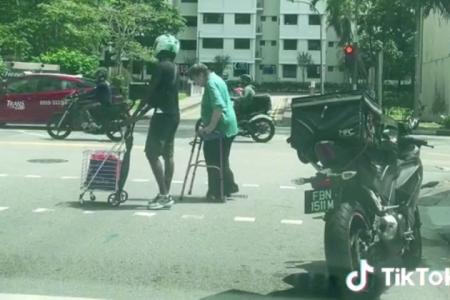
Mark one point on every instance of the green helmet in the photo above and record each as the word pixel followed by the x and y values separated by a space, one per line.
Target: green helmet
pixel 167 42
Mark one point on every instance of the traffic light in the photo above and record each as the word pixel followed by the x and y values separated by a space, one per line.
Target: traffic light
pixel 350 53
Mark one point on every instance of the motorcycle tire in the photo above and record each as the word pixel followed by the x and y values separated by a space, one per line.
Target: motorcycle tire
pixel 58 133
pixel 256 133
pixel 413 255
pixel 344 236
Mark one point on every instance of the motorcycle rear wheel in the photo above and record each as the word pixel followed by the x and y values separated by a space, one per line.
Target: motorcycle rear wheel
pixel 58 132
pixel 115 129
pixel 346 243
pixel 263 130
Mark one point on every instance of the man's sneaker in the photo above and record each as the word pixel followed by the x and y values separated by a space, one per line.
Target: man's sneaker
pixel 161 202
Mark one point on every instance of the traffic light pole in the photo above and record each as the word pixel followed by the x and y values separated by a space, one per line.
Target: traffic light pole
pixel 355 68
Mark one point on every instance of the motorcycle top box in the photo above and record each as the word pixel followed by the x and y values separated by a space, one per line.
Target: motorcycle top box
pixel 349 119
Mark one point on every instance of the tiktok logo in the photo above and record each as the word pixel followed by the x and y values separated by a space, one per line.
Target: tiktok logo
pixel 362 274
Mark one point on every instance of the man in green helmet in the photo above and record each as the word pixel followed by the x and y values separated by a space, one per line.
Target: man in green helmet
pixel 163 97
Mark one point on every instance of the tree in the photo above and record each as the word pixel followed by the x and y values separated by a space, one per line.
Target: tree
pixel 220 63
pixel 304 60
pixel 72 61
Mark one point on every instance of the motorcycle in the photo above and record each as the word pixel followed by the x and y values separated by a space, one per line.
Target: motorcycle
pixel 77 116
pixel 254 120
pixel 369 175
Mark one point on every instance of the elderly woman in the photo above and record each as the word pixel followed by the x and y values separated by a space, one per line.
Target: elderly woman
pixel 219 120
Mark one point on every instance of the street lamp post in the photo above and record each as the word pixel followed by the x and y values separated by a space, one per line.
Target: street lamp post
pixel 322 48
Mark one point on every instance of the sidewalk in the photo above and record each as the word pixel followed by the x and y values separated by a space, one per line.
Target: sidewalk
pixel 431 131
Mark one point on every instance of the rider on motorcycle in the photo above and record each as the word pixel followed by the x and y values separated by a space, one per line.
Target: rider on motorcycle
pixel 99 99
pixel 245 100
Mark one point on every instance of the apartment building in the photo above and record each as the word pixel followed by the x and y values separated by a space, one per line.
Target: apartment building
pixel 262 38
pixel 435 85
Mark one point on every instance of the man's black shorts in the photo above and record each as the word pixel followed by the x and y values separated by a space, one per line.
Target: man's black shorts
pixel 161 136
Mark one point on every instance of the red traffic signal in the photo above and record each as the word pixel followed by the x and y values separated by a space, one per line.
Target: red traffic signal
pixel 349 50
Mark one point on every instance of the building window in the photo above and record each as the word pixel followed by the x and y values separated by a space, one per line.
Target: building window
pixel 313 71
pixel 330 69
pixel 330 44
pixel 290 45
pixel 242 19
pixel 274 43
pixel 191 21
pixel 314 45
pixel 274 19
pixel 314 19
pixel 269 69
pixel 213 18
pixel 262 43
pixel 240 69
pixel 263 18
pixel 213 43
pixel 189 1
pixel 289 71
pixel 241 43
pixel 188 44
pixel 290 19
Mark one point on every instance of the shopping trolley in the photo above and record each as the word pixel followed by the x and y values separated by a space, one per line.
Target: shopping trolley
pixel 101 172
pixel 195 152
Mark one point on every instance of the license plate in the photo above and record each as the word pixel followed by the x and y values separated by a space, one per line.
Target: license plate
pixel 320 201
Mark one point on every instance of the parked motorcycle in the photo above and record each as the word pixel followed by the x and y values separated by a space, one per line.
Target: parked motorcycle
pixel 110 121
pixel 369 175
pixel 254 120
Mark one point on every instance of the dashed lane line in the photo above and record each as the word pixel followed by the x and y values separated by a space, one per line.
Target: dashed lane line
pixel 88 212
pixel 3 175
pixel 245 219
pixel 250 185
pixel 140 180
pixel 69 177
pixel 292 222
pixel 33 176
pixel 3 208
pixel 288 187
pixel 144 214
pixel 194 217
pixel 42 210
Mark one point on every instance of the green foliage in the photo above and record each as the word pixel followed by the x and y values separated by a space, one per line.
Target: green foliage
pixel 446 122
pixel 304 59
pixel 121 83
pixel 71 61
pixel 2 68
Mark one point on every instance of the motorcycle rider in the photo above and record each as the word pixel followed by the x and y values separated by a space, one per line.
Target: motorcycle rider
pixel 244 102
pixel 98 100
pixel 163 96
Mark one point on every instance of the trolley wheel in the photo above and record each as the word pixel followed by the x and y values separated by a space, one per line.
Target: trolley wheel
pixel 92 197
pixel 123 196
pixel 80 199
pixel 114 200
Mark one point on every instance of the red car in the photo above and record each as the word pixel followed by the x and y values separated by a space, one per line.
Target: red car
pixel 34 98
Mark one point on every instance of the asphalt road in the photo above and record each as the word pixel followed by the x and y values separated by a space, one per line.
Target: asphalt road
pixel 259 245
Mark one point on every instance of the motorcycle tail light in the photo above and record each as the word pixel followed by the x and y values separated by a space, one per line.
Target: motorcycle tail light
pixel 322 183
pixel 325 151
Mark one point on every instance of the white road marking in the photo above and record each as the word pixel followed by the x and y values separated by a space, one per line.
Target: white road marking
pixel 88 212
pixel 144 214
pixel 33 176
pixel 177 181
pixel 40 297
pixel 69 177
pixel 32 134
pixel 3 208
pixel 244 219
pixel 292 222
pixel 140 180
pixel 195 217
pixel 3 175
pixel 252 185
pixel 287 187
pixel 42 210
